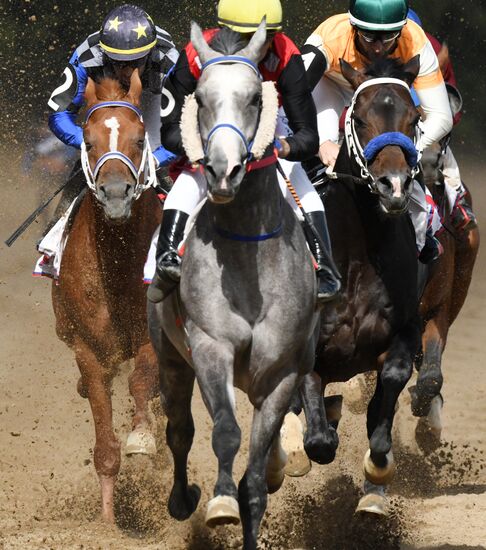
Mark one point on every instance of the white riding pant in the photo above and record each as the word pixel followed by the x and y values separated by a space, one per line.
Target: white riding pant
pixel 190 188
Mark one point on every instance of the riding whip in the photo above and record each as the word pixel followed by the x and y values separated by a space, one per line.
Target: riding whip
pixel 16 234
pixel 308 222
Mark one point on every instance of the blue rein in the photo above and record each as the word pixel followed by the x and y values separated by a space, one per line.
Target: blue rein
pixel 391 138
pixel 249 238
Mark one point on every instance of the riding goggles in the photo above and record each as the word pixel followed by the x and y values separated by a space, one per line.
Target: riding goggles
pixel 383 37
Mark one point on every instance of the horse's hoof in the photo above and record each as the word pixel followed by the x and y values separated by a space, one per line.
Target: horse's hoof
pixel 372 504
pixel 222 510
pixel 292 437
pixel 376 474
pixel 183 503
pixel 140 442
pixel 358 391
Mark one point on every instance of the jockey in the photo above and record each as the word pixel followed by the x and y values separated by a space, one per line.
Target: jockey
pixel 373 29
pixel 296 131
pixel 462 217
pixel 127 40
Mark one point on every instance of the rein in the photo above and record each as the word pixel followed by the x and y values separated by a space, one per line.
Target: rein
pixel 147 164
pixel 366 155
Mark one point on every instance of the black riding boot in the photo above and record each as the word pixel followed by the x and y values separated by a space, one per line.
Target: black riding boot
pixel 462 217
pixel 168 261
pixel 328 277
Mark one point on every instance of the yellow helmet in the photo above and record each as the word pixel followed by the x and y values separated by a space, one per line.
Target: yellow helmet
pixel 246 16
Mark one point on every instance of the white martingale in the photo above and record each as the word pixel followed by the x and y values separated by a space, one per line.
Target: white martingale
pixel 113 124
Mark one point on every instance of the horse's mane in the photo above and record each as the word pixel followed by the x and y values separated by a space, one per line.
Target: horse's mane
pixel 228 42
pixel 386 67
pixel 108 89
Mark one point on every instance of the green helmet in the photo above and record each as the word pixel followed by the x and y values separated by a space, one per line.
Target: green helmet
pixel 378 15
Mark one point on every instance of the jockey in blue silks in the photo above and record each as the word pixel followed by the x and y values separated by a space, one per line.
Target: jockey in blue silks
pixel 128 40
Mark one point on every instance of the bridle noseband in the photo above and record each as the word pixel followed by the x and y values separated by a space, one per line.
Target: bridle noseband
pixel 362 156
pixel 147 164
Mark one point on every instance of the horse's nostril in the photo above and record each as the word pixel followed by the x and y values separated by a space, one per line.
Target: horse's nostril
pixel 127 189
pixel 234 171
pixel 102 190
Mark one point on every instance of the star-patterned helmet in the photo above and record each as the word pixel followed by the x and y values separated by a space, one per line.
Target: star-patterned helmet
pixel 127 33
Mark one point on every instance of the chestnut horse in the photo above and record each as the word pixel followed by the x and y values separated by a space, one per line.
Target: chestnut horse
pixel 100 298
pixel 442 301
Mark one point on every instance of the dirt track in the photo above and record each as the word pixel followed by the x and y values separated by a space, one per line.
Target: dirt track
pixel 49 491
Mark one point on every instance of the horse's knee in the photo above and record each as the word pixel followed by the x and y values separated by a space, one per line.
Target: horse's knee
pixel 321 447
pixel 394 377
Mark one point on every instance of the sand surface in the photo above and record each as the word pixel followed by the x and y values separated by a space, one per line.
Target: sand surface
pixel 48 487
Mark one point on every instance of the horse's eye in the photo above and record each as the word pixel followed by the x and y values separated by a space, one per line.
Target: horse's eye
pixel 255 101
pixel 359 123
pixel 88 146
pixel 141 143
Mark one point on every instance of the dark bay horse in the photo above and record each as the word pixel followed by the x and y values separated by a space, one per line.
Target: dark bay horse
pixel 99 301
pixel 442 301
pixel 375 326
pixel 247 294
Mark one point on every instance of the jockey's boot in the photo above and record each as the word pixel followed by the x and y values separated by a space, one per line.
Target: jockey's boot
pixel 462 216
pixel 328 277
pixel 167 259
pixel 432 249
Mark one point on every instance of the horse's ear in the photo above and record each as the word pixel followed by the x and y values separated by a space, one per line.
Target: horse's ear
pixel 135 90
pixel 255 50
pixel 412 69
pixel 90 92
pixel 202 47
pixel 443 57
pixel 354 77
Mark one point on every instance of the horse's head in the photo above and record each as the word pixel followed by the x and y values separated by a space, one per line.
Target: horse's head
pixel 381 128
pixel 229 109
pixel 115 153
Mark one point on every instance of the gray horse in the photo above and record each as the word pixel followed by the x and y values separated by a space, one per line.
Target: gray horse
pixel 245 314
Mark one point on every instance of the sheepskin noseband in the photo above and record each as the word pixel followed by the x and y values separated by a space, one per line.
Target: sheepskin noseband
pixel 264 135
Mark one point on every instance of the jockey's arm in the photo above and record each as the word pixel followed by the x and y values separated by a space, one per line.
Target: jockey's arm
pixel 300 110
pixel 65 102
pixel 432 93
pixel 179 83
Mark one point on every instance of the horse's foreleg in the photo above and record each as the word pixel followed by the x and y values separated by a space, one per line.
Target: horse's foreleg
pixel 253 486
pixel 321 438
pixel 176 385
pixel 213 363
pixel 396 371
pixel 107 447
pixel 143 384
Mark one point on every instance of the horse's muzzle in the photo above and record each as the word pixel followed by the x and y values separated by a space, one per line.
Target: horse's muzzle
pixel 116 199
pixel 394 192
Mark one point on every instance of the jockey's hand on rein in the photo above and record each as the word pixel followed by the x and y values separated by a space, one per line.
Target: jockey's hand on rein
pixel 328 153
pixel 284 149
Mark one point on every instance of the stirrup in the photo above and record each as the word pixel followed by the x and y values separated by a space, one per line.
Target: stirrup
pixel 463 218
pixel 328 286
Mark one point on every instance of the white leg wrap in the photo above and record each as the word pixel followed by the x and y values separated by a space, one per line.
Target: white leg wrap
pixel 187 192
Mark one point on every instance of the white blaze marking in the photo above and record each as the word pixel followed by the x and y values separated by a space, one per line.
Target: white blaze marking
pixel 397 188
pixel 113 124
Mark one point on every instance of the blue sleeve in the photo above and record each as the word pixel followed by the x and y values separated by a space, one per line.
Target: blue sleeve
pixel 163 156
pixel 63 126
pixel 65 102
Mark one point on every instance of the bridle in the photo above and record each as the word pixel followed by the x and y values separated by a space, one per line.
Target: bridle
pixel 147 164
pixel 233 59
pixel 363 156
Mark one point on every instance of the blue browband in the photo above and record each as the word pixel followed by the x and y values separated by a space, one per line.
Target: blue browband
pixel 392 138
pixel 233 59
pixel 104 104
